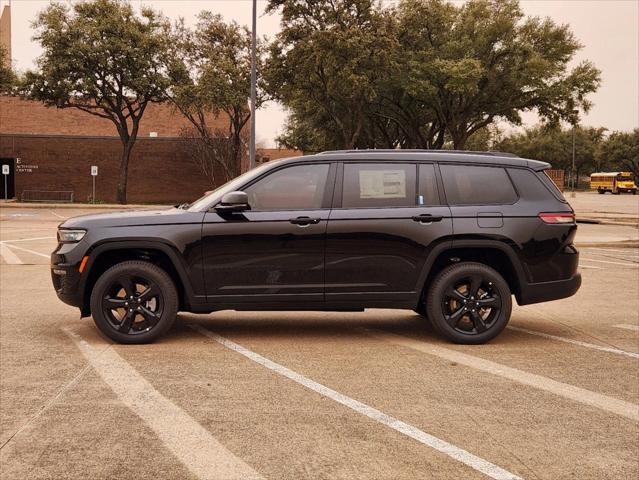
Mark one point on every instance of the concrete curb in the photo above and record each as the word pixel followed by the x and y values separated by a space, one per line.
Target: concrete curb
pixel 91 206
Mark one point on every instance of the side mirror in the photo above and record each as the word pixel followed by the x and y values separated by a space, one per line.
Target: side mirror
pixel 233 202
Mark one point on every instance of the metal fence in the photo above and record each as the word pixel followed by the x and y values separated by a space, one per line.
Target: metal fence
pixel 53 196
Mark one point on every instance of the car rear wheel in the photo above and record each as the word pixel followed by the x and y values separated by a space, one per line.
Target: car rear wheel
pixel 134 302
pixel 469 303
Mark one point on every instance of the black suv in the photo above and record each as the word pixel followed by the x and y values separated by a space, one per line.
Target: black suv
pixel 451 235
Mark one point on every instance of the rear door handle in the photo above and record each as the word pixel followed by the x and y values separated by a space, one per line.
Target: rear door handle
pixel 427 218
pixel 304 221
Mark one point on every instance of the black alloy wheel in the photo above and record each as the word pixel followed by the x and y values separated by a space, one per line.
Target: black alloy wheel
pixel 134 302
pixel 469 303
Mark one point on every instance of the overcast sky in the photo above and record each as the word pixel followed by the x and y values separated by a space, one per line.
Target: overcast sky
pixel 608 29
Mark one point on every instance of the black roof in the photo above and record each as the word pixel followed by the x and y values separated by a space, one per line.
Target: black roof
pixel 454 156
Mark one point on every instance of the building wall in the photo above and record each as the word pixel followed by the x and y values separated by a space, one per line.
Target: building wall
pixel 22 116
pixel 159 170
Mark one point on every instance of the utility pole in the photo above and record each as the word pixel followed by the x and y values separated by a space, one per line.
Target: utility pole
pixel 572 175
pixel 253 85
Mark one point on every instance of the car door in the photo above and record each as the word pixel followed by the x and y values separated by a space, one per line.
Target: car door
pixel 273 252
pixel 386 219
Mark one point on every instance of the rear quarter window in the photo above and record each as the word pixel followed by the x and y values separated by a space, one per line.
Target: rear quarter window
pixel 530 185
pixel 477 185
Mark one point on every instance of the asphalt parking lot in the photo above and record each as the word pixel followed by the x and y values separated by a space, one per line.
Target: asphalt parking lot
pixel 371 395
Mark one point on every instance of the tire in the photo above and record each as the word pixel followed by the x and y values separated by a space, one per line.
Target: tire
pixel 601 192
pixel 449 303
pixel 141 285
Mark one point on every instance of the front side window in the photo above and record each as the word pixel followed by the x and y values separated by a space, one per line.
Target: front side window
pixel 379 185
pixel 476 185
pixel 300 187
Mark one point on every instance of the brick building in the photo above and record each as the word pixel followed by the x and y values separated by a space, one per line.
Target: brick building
pixel 50 150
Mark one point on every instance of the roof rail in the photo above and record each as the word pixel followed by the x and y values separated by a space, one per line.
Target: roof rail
pixel 396 150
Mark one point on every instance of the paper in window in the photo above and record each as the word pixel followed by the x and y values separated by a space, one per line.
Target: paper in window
pixel 382 184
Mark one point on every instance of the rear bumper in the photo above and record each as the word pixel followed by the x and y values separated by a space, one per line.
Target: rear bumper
pixel 546 291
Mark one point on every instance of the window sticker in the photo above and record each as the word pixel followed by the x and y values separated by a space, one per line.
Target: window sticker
pixel 382 184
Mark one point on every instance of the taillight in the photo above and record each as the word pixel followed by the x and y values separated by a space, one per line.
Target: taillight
pixel 557 217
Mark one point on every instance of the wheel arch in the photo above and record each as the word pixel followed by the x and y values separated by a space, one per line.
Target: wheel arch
pixel 107 254
pixel 495 254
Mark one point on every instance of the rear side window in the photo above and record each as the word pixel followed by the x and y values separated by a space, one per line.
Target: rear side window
pixel 553 187
pixel 427 186
pixel 379 185
pixel 529 185
pixel 476 185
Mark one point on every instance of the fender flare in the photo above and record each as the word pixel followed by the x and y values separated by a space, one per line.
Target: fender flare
pixel 472 243
pixel 167 248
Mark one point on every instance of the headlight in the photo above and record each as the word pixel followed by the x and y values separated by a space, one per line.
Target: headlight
pixel 70 236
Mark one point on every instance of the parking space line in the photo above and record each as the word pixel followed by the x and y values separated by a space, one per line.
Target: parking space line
pixel 189 441
pixel 27 239
pixel 457 453
pixel 26 250
pixel 581 395
pixel 8 256
pixel 616 351
pixel 628 251
pixel 57 215
pixel 635 265
pixel 589 266
pixel 626 326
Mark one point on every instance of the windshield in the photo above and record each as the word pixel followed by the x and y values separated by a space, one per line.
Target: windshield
pixel 205 201
pixel 625 176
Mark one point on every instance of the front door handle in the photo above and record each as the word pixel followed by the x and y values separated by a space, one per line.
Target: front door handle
pixel 304 221
pixel 427 218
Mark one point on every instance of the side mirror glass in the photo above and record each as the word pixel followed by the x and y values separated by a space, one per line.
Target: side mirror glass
pixel 233 202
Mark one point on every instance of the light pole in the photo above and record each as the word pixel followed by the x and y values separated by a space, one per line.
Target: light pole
pixel 253 85
pixel 572 175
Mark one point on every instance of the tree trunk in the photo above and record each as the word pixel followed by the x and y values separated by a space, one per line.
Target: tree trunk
pixel 124 170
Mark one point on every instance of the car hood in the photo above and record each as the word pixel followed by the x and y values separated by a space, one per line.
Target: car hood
pixel 132 218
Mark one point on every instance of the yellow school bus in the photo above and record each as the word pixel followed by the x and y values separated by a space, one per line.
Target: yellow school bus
pixel 613 182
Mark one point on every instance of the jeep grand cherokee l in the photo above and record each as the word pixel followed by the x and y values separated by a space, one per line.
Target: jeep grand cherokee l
pixel 450 235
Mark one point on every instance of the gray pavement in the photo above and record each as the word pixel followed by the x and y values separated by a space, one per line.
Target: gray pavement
pixel 370 395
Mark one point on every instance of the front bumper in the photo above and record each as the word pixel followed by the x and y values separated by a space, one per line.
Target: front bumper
pixel 66 280
pixel 547 291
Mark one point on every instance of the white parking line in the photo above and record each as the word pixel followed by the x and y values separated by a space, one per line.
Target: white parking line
pixel 626 326
pixel 628 251
pixel 581 395
pixel 5 245
pixel 589 266
pixel 575 342
pixel 8 256
pixel 57 215
pixel 27 239
pixel 635 265
pixel 459 454
pixel 189 441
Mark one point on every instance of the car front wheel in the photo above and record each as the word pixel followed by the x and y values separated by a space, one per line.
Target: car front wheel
pixel 469 303
pixel 134 302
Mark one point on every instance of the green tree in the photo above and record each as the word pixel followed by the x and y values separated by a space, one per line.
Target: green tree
pixel 484 61
pixel 419 74
pixel 553 144
pixel 325 66
pixel 101 58
pixel 620 152
pixel 211 75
